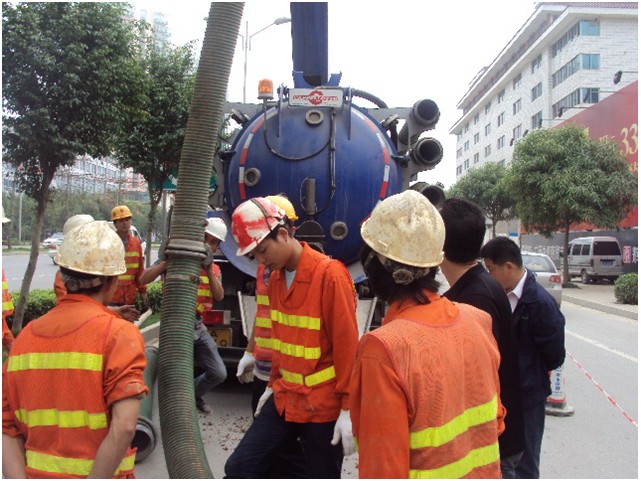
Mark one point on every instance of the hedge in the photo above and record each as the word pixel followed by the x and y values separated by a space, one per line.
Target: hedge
pixel 41 301
pixel 626 289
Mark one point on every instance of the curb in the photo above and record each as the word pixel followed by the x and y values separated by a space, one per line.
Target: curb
pixel 600 307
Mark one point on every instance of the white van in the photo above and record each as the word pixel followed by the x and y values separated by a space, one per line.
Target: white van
pixel 595 258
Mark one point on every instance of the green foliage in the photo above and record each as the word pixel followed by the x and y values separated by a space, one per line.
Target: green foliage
pixel 626 289
pixel 154 297
pixel 485 186
pixel 39 302
pixel 561 176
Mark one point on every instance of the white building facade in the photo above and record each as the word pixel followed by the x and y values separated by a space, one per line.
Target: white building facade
pixel 563 59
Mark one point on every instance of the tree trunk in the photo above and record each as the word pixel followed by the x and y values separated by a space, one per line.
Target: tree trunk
pixel 154 200
pixel 41 206
pixel 566 269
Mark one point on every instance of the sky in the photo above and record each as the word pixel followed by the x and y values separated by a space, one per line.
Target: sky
pixel 401 51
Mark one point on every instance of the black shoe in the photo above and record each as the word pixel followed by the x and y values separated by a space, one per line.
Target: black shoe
pixel 202 405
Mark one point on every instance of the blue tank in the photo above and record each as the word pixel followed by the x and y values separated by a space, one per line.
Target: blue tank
pixel 333 163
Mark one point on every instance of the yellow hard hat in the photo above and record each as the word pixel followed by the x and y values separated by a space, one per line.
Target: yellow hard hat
pixel 76 221
pixel 406 228
pixel 92 248
pixel 120 212
pixel 284 203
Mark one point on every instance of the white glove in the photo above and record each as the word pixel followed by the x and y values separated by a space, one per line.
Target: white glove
pixel 263 399
pixel 245 372
pixel 343 432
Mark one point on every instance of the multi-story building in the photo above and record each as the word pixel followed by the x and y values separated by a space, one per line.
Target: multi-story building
pixel 563 59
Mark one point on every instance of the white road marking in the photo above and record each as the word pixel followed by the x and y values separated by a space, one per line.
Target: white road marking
pixel 602 346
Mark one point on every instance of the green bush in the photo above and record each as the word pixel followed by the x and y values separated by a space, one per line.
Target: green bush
pixel 154 297
pixel 39 302
pixel 626 289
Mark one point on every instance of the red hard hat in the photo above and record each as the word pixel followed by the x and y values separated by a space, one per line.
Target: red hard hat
pixel 252 221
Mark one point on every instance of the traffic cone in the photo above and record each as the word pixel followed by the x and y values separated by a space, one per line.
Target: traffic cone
pixel 556 404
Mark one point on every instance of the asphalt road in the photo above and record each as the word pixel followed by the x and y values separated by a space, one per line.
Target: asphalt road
pixel 601 373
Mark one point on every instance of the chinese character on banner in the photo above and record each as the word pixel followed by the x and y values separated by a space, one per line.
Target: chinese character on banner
pixel 627 254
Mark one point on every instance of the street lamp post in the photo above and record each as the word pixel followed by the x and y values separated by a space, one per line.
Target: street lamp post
pixel 247 43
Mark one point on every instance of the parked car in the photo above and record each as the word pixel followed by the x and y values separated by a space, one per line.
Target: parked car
pixel 55 239
pixel 546 273
pixel 595 258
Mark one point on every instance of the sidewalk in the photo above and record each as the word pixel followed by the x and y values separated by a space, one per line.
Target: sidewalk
pixel 600 297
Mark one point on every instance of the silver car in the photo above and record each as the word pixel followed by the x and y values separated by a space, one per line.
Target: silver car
pixel 545 271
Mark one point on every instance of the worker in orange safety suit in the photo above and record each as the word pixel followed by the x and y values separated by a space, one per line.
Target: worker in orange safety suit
pixel 424 393
pixel 129 285
pixel 7 304
pixel 73 381
pixel 314 337
pixel 256 363
pixel 127 312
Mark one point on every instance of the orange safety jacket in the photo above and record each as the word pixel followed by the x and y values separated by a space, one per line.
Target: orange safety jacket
pixel 205 299
pixel 7 310
pixel 263 324
pixel 314 338
pixel 59 286
pixel 425 400
pixel 63 374
pixel 129 283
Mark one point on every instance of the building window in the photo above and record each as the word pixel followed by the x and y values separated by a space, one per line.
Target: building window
pixel 500 143
pixel 488 129
pixel 487 108
pixel 536 63
pixel 516 133
pixel 459 153
pixel 589 27
pixel 516 83
pixel 590 95
pixel 459 137
pixel 466 164
pixel 466 128
pixel 501 96
pixel 459 169
pixel 477 157
pixel 476 119
pixel 500 120
pixel 590 61
pixel 488 150
pixel 502 163
pixel 537 120
pixel 516 107
pixel 537 91
pixel 582 95
pixel 466 147
pixel 477 137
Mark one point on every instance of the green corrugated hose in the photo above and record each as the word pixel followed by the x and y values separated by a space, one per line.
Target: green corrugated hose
pixel 179 425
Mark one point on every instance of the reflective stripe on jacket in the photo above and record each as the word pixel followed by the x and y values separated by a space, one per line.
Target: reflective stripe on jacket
pixel 263 324
pixel 425 392
pixel 129 282
pixel 59 388
pixel 7 303
pixel 205 300
pixel 314 338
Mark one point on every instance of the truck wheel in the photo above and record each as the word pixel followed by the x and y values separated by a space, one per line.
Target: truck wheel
pixel 585 278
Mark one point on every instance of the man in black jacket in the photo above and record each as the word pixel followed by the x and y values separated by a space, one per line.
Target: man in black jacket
pixel 540 334
pixel 471 284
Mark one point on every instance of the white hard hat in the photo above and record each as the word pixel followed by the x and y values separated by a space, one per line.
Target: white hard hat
pixel 92 248
pixel 216 227
pixel 5 219
pixel 76 221
pixel 406 228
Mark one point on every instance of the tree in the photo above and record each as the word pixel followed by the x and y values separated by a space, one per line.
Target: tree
pixel 562 176
pixel 68 79
pixel 154 134
pixel 485 186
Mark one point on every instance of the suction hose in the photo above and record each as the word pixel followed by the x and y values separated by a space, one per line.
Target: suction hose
pixel 179 425
pixel 146 437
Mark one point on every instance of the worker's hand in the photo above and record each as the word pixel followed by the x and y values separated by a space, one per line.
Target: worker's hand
pixel 128 312
pixel 245 371
pixel 145 301
pixel 263 399
pixel 343 433
pixel 209 257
